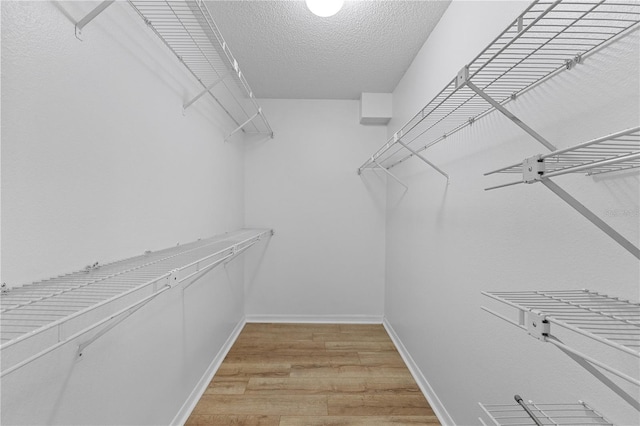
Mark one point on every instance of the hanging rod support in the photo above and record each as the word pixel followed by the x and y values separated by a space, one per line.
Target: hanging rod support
pixel 394 177
pixel 205 91
pixel 463 79
pixel 91 16
pixel 420 156
pixel 119 317
pixel 249 120
pixel 589 215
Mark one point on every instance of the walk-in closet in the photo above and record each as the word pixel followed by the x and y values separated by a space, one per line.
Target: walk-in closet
pixel 320 212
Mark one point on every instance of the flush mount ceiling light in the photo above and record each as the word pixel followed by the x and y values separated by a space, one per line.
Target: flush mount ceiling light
pixel 325 8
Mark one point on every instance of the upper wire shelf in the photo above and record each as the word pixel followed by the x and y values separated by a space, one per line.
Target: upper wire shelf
pixel 616 152
pixel 547 38
pixel 188 29
pixel 547 414
pixel 36 318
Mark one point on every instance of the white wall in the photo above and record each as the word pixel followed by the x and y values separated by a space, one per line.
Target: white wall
pixel 445 244
pixel 99 164
pixel 327 257
pixel 98 161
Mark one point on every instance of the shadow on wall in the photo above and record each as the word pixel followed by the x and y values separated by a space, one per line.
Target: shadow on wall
pixel 253 263
pixel 374 188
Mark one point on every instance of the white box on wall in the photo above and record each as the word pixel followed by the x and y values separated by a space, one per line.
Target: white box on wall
pixel 375 108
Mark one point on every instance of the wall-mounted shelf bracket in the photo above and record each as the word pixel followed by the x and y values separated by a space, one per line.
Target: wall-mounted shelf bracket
pixel 122 315
pixel 462 79
pixel 615 152
pixel 204 92
pixel 537 325
pixel 91 16
pixel 420 156
pixel 241 127
pixel 592 217
pixel 532 169
pixel 391 175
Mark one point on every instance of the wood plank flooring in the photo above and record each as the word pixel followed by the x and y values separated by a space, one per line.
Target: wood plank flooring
pixel 311 375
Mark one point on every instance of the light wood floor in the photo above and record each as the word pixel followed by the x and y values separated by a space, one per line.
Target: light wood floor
pixel 311 374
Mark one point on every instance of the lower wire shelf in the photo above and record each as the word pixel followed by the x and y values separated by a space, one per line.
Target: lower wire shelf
pixel 38 318
pixel 608 320
pixel 531 413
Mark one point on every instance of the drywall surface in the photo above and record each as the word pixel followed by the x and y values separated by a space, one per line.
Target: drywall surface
pixel 326 259
pixel 447 243
pixel 99 164
pixel 98 161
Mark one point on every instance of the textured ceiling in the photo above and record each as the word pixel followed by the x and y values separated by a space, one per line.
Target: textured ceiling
pixel 287 52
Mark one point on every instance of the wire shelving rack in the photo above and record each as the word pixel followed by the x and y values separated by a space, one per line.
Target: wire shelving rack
pixel 547 414
pixel 612 153
pixel 608 320
pixel 37 318
pixel 189 31
pixel 549 37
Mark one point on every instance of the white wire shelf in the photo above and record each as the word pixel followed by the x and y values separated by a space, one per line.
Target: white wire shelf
pixel 189 31
pixel 549 37
pixel 612 153
pixel 39 317
pixel 609 320
pixel 547 414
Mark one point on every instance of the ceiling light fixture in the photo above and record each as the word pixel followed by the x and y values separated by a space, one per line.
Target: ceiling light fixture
pixel 325 8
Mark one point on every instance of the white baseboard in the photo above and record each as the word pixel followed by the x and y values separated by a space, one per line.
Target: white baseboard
pixel 318 319
pixel 198 391
pixel 435 403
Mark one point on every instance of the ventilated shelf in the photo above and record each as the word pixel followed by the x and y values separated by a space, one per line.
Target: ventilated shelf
pixel 188 29
pixel 609 320
pixel 39 317
pixel 612 153
pixel 547 414
pixel 616 152
pixel 549 37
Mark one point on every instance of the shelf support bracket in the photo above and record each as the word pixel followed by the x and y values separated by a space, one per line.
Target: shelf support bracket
pixel 420 156
pixel 91 16
pixel 122 315
pixel 462 79
pixel 249 120
pixel 394 177
pixel 589 215
pixel 205 91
